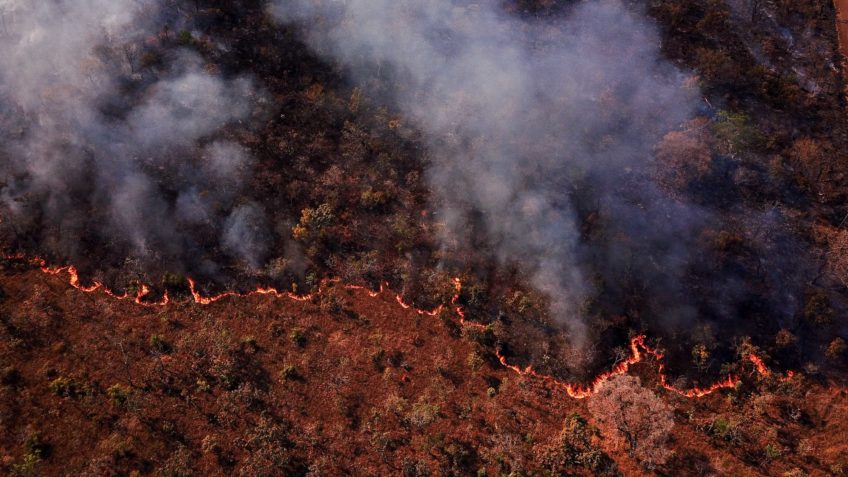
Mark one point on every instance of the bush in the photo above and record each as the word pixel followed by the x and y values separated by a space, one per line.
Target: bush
pixel 276 330
pixel 119 395
pixel 289 373
pixel 313 222
pixel 378 360
pixel 28 465
pixel 785 338
pixel 836 349
pixel 9 375
pixel 63 387
pixel 574 448
pixel 475 360
pixel 736 133
pixel 817 310
pixel 723 429
pixel 34 450
pixel 249 344
pixel 298 337
pixel 423 414
pixel 185 37
pixel 772 452
pixel 159 345
pixel 371 199
pixel 174 281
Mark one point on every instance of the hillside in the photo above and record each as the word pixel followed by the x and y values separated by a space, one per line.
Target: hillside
pixel 459 237
pixel 341 384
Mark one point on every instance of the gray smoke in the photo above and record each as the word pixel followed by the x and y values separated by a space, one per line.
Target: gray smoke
pixel 100 149
pixel 520 117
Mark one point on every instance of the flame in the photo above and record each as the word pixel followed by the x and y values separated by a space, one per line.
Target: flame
pixel 74 280
pixel 759 365
pixel 639 349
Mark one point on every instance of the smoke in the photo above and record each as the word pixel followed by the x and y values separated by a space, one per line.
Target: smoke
pixel 119 145
pixel 245 234
pixel 106 138
pixel 527 121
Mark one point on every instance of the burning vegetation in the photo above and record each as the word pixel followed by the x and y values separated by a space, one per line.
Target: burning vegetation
pixel 565 196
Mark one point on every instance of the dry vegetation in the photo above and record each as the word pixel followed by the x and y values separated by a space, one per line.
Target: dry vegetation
pixel 260 387
pixel 346 384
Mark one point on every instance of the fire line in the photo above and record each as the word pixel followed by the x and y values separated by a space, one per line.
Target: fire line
pixel 639 349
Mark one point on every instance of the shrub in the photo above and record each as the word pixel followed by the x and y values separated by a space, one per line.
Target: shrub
pixel 178 464
pixel 683 156
pixel 817 310
pixel 34 450
pixel 9 375
pixel 836 349
pixel 210 445
pixel 120 447
pixel 313 221
pixel 795 472
pixel 119 395
pixel 404 231
pixel 475 360
pixel 249 344
pixel 276 330
pixel 185 37
pixel 377 359
pixel 63 387
pixel 159 345
pixel 289 373
pixel 700 356
pixel 203 386
pixel 785 338
pixel 736 132
pixel 173 281
pixel 331 303
pixel 298 337
pixel 574 448
pixel 772 452
pixel 371 199
pixel 414 468
pixel 423 414
pixel 28 465
pixel 723 429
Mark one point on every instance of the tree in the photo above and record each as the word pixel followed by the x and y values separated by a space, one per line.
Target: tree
pixel 736 132
pixel 837 254
pixel 633 418
pixel 836 349
pixel 576 446
pixel 683 156
pixel 813 159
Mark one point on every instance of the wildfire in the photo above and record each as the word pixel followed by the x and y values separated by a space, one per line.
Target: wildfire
pixel 638 348
pixel 759 365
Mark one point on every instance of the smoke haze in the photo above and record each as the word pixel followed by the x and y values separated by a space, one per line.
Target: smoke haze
pixel 520 117
pixel 124 147
pixel 103 158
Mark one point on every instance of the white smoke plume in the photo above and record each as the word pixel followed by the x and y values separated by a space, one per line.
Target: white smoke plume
pixel 100 149
pixel 520 116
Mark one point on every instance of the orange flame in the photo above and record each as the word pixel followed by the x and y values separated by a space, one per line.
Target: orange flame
pixel 759 365
pixel 139 298
pixel 638 348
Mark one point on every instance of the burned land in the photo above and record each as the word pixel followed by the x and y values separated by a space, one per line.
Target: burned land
pixel 521 237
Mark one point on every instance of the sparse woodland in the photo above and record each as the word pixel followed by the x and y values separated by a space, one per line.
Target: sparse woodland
pixel 348 384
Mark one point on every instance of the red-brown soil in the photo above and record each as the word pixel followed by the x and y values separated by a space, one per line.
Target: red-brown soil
pixel 374 390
